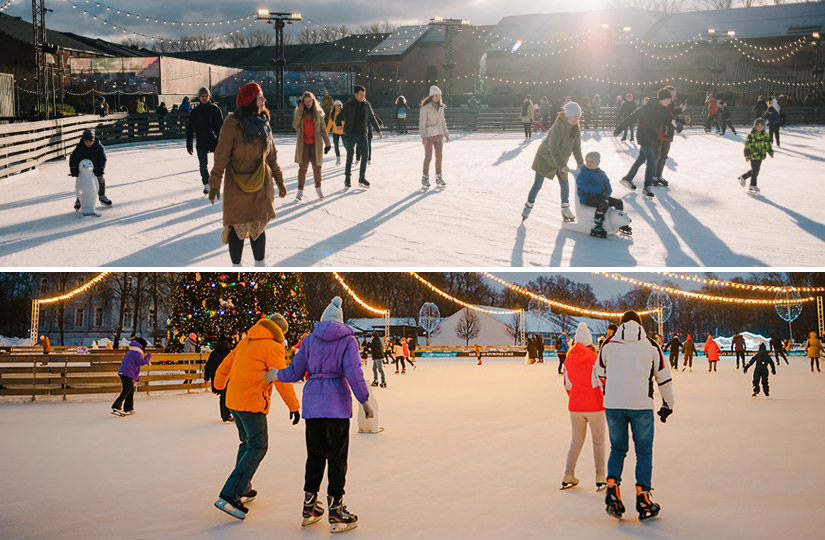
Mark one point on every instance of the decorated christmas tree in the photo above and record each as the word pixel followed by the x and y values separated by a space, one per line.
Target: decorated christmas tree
pixel 213 304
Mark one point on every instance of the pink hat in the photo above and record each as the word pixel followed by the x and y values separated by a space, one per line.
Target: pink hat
pixel 192 336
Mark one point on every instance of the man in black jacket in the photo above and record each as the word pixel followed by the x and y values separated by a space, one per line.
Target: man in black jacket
pixel 673 346
pixel 377 351
pixel 90 148
pixel 221 351
pixel 778 349
pixel 356 115
pixel 205 122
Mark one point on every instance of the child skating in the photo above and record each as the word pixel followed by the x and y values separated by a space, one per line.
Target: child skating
pixel 757 147
pixel 760 372
pixel 593 189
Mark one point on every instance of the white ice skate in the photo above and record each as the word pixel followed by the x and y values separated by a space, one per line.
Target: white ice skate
pixel 319 193
pixel 741 181
pixel 566 213
pixel 439 181
pixel 753 190
pixel 528 207
pixel 299 197
pixel 86 187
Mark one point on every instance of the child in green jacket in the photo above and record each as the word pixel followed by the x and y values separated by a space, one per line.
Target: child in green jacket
pixel 757 147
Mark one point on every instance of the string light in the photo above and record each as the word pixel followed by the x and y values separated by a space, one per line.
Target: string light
pixel 83 288
pixel 462 302
pixel 743 286
pixel 562 305
pixel 379 311
pixel 157 20
pixel 703 296
pixel 785 56
pixel 775 48
pixel 7 4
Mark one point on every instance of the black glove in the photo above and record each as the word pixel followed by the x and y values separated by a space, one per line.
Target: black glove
pixel 327 149
pixel 664 412
pixel 98 172
pixel 616 132
pixel 295 416
pixel 745 370
pixel 189 149
pixel 74 172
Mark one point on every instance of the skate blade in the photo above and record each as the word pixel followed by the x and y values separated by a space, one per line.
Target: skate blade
pixel 380 430
pixel 224 506
pixel 601 488
pixel 567 486
pixel 120 414
pixel 645 516
pixel 613 513
pixel 310 520
pixel 342 527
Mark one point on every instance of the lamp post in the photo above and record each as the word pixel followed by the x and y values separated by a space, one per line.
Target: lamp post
pixel 279 21
pixel 451 27
pixel 717 69
pixel 818 70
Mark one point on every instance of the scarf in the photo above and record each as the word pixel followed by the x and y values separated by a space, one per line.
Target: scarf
pixel 253 125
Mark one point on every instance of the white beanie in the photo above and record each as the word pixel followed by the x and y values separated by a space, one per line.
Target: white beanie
pixel 337 102
pixel 435 91
pixel 583 334
pixel 333 311
pixel 571 108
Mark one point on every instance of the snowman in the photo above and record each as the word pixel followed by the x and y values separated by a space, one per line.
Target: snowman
pixel 86 187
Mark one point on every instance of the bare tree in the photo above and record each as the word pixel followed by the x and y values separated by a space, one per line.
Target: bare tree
pixel 388 27
pixel 235 40
pixel 121 285
pixel 196 42
pixel 134 41
pixel 164 46
pixel 308 36
pixel 333 33
pixel 715 4
pixel 259 38
pixel 374 28
pixel 469 326
pixel 514 328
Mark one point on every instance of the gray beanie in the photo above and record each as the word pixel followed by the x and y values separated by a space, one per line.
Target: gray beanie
pixel 595 156
pixel 571 108
pixel 204 91
pixel 333 311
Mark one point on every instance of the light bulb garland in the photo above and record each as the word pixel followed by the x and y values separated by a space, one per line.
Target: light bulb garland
pixel 7 4
pixel 783 47
pixel 157 20
pixel 462 302
pixel 785 56
pixel 379 311
pixel 743 286
pixel 83 288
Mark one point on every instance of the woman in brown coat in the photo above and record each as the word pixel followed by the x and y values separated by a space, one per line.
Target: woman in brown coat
pixel 312 142
pixel 246 155
pixel 814 349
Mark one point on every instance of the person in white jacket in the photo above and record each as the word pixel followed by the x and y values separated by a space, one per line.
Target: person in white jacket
pixel 432 125
pixel 629 363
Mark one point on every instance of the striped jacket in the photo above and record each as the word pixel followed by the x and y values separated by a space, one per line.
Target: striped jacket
pixel 758 145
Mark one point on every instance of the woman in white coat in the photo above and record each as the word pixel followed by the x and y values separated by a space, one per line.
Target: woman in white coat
pixel 432 125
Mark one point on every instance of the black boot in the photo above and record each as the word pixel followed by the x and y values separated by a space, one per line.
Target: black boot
pixel 613 499
pixel 313 509
pixel 647 508
pixel 340 519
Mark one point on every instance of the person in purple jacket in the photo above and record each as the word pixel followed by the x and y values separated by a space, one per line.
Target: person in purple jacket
pixel 331 356
pixel 129 371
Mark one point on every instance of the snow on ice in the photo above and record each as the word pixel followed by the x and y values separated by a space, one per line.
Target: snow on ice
pixel 469 452
pixel 160 217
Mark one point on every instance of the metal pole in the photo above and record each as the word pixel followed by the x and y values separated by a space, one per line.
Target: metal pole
pixel 819 316
pixel 35 325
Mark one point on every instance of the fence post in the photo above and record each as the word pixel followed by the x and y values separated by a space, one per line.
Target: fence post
pixel 34 379
pixel 65 376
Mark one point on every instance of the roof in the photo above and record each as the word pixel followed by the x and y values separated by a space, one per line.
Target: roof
pixel 20 30
pixel 110 48
pixel 402 39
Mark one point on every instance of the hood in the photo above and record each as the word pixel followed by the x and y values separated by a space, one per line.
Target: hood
pixel 223 346
pixel 631 331
pixel 709 340
pixel 762 348
pixel 266 331
pixel 331 330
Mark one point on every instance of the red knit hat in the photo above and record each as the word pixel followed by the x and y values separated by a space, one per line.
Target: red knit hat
pixel 248 94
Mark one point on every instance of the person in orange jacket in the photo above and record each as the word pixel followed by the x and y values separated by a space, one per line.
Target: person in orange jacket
pixel 248 397
pixel 712 351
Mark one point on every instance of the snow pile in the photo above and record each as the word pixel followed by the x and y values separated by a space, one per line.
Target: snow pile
pixel 14 342
pixel 752 341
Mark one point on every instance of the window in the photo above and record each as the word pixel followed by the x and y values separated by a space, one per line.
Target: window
pixel 44 284
pixel 78 316
pixel 150 317
pixel 128 318
pixel 98 317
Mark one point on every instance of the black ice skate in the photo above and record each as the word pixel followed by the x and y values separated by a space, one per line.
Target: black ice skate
pixel 648 192
pixel 249 496
pixel 647 509
pixel 104 200
pixel 363 184
pixel 313 509
pixel 374 383
pixel 236 509
pixel 383 385
pixel 340 519
pixel 598 231
pixel 613 499
pixel 569 482
pixel 627 182
pixel 625 229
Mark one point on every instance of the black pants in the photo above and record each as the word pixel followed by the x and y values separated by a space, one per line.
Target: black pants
pixel 561 360
pixel 226 414
pixel 351 143
pixel 236 246
pixel 774 131
pixel 777 353
pixel 203 164
pixel 728 124
pixel 602 204
pixel 360 155
pixel 528 129
pixel 127 395
pixel 740 354
pixel 756 164
pixel 662 149
pixel 760 375
pixel 711 121
pixel 816 359
pixel 327 442
pixel 403 364
pixel 674 361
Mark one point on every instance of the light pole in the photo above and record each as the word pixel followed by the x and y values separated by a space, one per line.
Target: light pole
pixel 451 28
pixel 717 69
pixel 279 21
pixel 818 70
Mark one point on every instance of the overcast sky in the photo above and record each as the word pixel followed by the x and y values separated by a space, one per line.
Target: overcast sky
pixel 352 13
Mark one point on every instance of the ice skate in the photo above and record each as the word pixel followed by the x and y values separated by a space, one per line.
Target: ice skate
pixel 569 482
pixel 601 482
pixel 374 383
pixel 383 384
pixel 117 412
pixel 647 509
pixel 627 182
pixel 363 184
pixel 598 231
pixel 613 499
pixel 129 413
pixel 236 509
pixel 105 200
pixel 753 190
pixel 347 184
pixel 77 205
pixel 425 181
pixel 626 229
pixel 439 181
pixel 313 509
pixel 662 182
pixel 648 192
pixel 340 519
pixel 741 181
pixel 249 496
pixel 206 190
pixel 299 197
pixel 338 160
pixel 319 193
pixel 528 206
pixel 566 213
pixel 261 263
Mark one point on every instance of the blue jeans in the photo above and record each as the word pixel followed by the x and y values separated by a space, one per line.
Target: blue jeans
pixel 252 431
pixel 351 143
pixel 646 154
pixel 204 165
pixel 641 424
pixel 336 139
pixel 539 181
pixel 378 367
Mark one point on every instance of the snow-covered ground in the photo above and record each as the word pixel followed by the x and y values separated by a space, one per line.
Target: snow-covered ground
pixel 469 452
pixel 160 217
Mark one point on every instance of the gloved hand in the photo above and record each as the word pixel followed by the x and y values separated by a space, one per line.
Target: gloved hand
pixel 616 132
pixel 98 172
pixel 295 416
pixel 271 375
pixel 745 370
pixel 773 372
pixel 189 149
pixel 327 149
pixel 214 193
pixel 74 172
pixel 664 412
pixel 368 410
pixel 148 357
pixel 564 170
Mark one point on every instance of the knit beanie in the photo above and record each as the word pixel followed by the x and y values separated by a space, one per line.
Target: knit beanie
pixel 333 311
pixel 595 156
pixel 631 315
pixel 435 91
pixel 583 334
pixel 248 94
pixel 275 327
pixel 571 108
pixel 141 343
pixel 88 135
pixel 337 102
pixel 204 92
pixel 193 336
pixel 759 122
pixel 664 94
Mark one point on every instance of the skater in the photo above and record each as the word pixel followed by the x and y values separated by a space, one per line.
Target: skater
pixel 528 109
pixel 652 117
pixel 377 351
pixel 773 120
pixel 724 117
pixel 330 356
pixel 90 148
pixel 711 351
pixel 241 375
pixel 562 346
pixel 628 366
pixel 738 346
pixel 627 107
pixel 401 108
pixel 101 107
pixel 586 407
pixel 407 351
pixel 389 357
pixel 398 352
pixel 190 344
pixel 760 107
pixel 246 155
pixel 760 373
pixel 689 348
pixel 221 351
pixel 312 142
pixel 539 349
pixel 205 124
pixel 538 122
pixel 531 350
pixel 477 351
pixel 667 134
pixel 129 372
pixel 46 344
pixel 185 105
pixel 757 148
pixel 563 140
pixel 337 131
pixel 593 189
pixel 710 110
pixel 327 103
pixel 432 126
pixel 813 347
pixel 673 347
pixel 778 349
pixel 356 115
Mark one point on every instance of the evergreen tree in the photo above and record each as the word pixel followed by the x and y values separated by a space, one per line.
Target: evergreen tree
pixel 213 304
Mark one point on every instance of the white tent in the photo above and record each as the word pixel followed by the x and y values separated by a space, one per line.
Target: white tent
pixel 491 330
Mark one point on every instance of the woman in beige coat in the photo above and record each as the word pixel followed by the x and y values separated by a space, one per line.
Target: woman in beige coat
pixel 814 349
pixel 312 142
pixel 246 156
pixel 432 126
